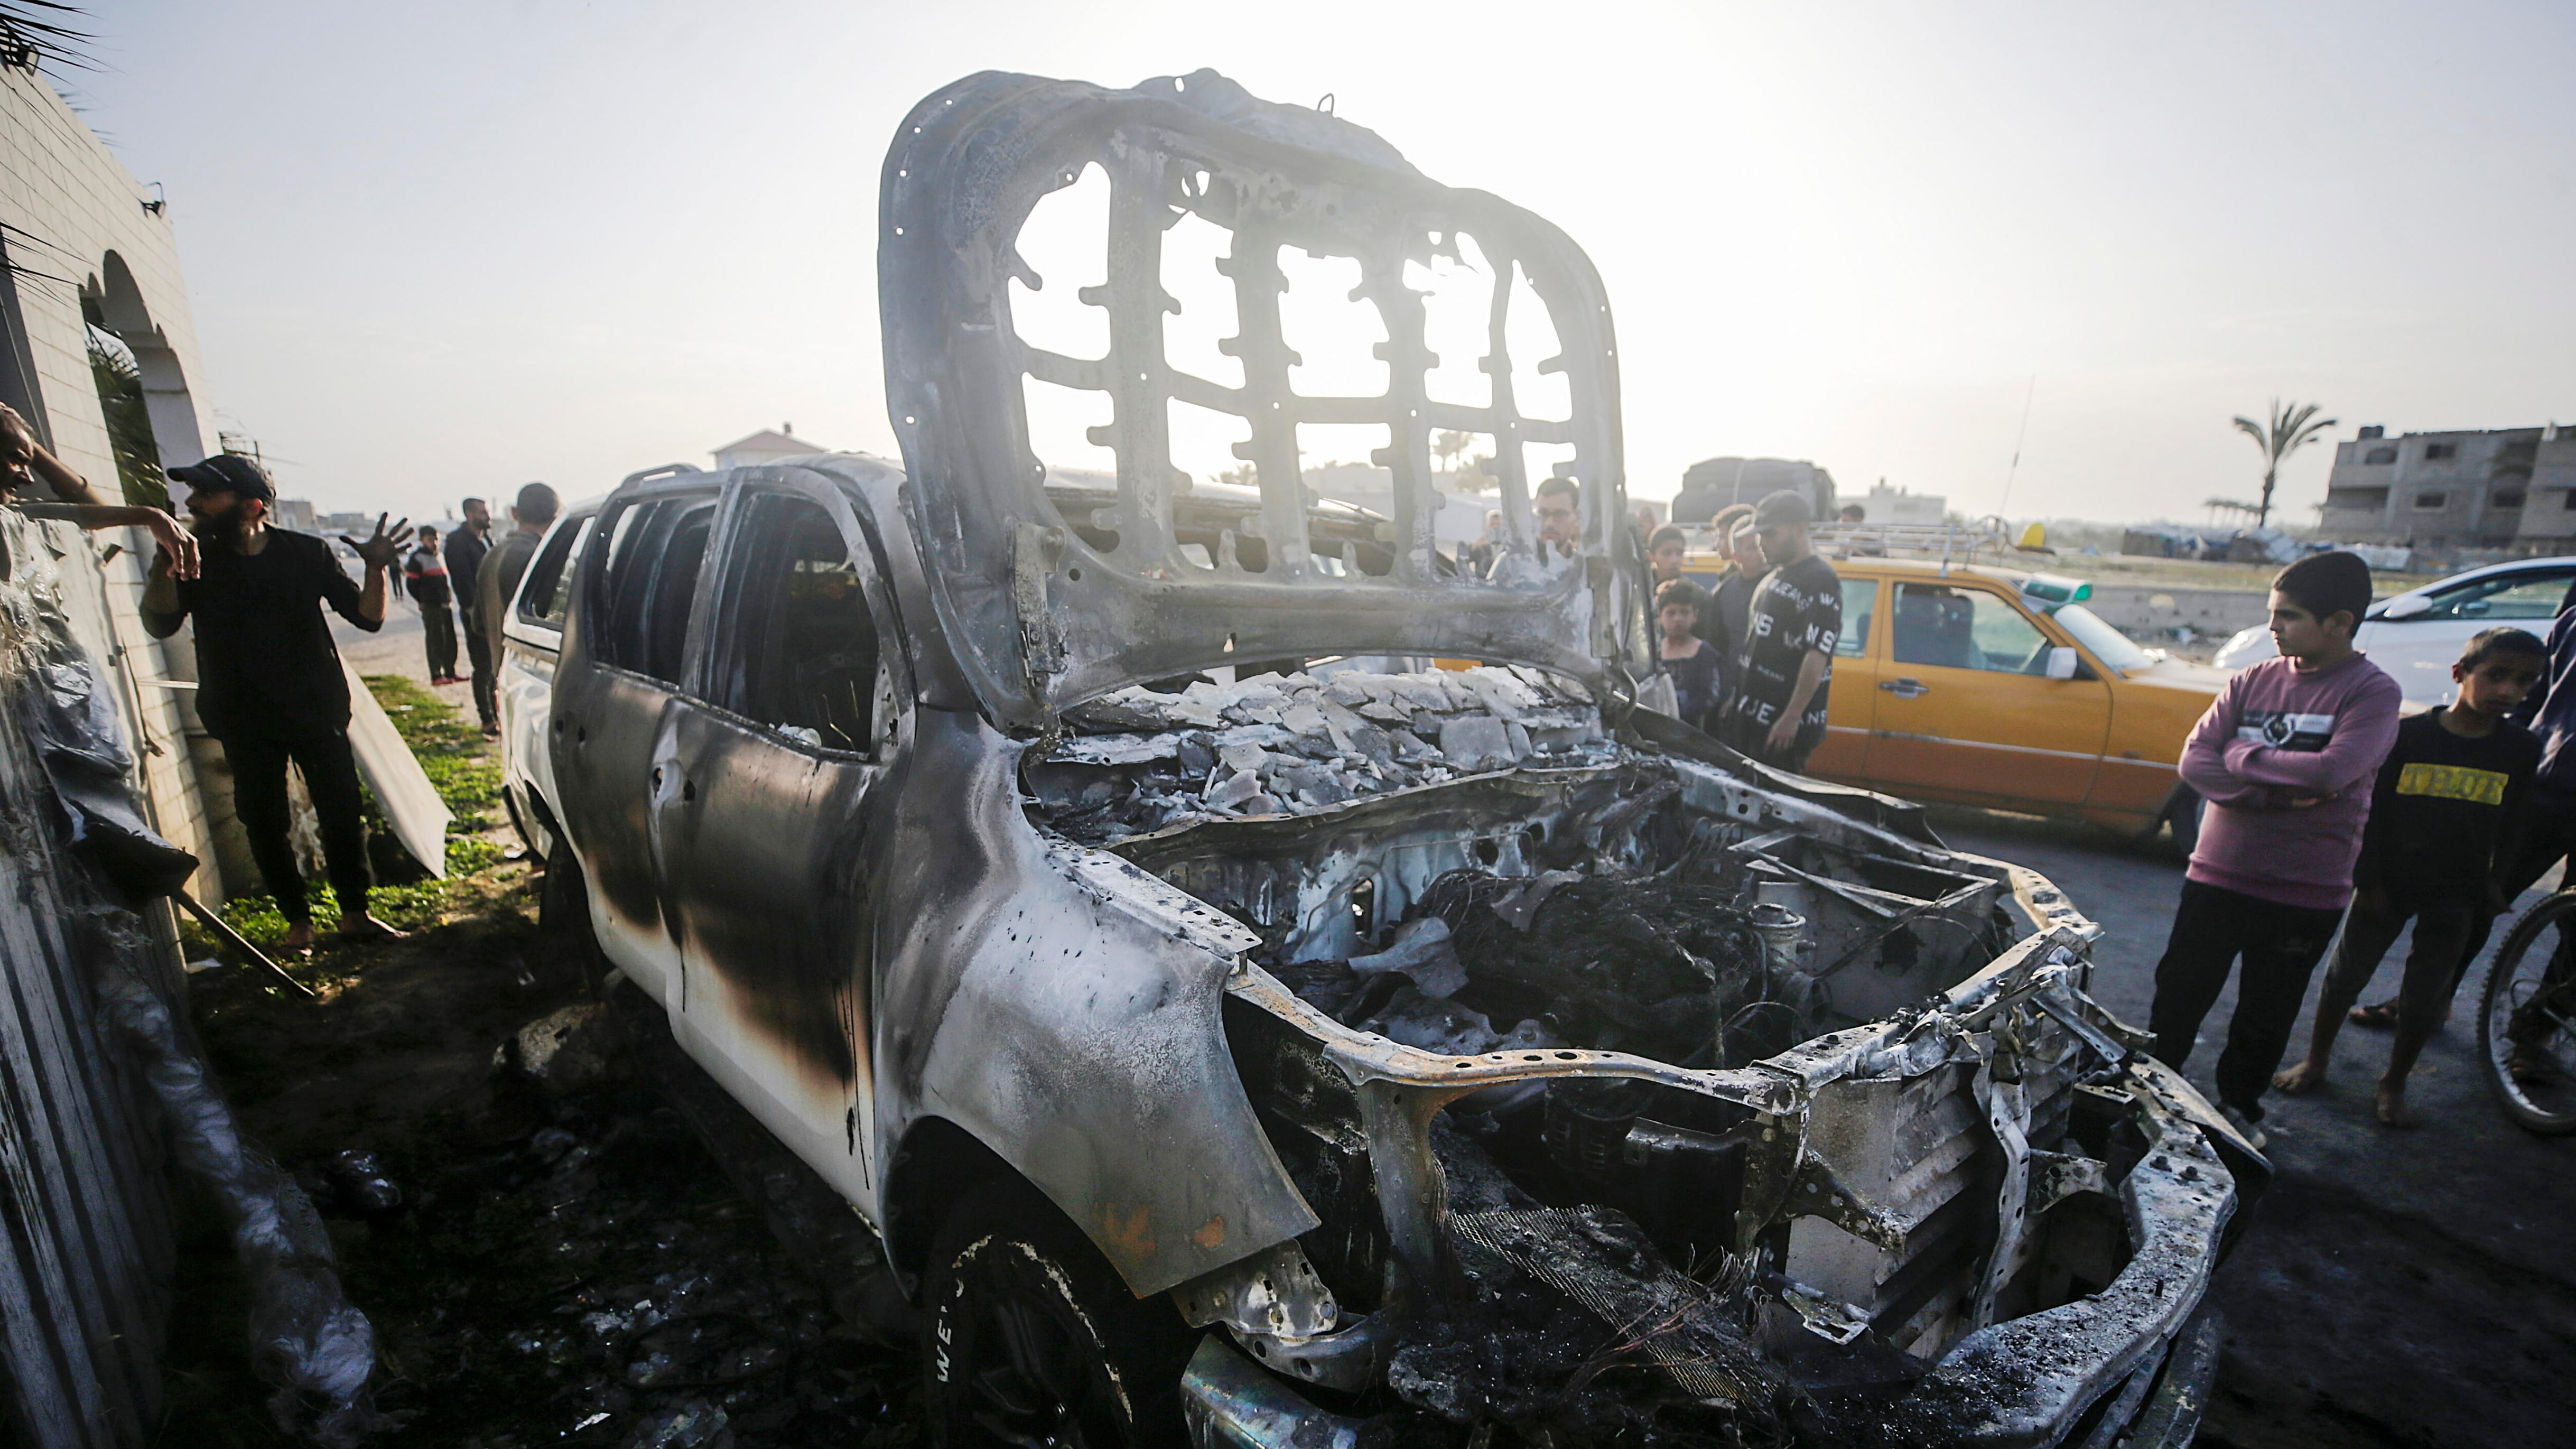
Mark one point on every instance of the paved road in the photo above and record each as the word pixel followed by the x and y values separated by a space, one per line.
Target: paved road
pixel 398 648
pixel 2397 1288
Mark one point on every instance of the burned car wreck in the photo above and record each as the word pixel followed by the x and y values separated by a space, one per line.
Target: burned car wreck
pixel 1262 979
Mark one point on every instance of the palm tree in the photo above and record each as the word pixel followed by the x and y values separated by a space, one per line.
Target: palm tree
pixel 2293 426
pixel 129 420
pixel 32 32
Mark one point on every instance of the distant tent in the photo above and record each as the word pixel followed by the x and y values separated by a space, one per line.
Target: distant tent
pixel 1714 483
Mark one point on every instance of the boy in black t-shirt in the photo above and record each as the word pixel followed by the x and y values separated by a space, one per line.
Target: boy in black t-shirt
pixel 1698 670
pixel 1786 668
pixel 2442 817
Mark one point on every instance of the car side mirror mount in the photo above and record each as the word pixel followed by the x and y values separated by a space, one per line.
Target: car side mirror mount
pixel 2409 607
pixel 2061 662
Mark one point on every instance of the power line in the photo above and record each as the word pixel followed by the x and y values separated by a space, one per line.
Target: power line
pixel 2018 439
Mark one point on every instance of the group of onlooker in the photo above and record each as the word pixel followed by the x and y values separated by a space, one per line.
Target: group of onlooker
pixel 1751 656
pixel 2322 811
pixel 479 577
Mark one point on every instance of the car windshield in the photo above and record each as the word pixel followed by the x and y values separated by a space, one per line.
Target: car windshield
pixel 2106 643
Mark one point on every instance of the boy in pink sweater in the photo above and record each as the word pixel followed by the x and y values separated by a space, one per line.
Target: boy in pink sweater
pixel 2285 759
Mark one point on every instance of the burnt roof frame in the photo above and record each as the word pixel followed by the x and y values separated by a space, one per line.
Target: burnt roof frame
pixel 1044 618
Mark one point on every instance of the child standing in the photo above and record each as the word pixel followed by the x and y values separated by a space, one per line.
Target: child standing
pixel 2283 759
pixel 1698 670
pixel 2443 818
pixel 427 574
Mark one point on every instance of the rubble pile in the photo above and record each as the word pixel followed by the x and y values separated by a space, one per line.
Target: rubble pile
pixel 1143 759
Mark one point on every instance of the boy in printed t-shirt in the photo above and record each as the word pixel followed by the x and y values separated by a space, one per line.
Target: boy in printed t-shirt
pixel 2443 816
pixel 2284 759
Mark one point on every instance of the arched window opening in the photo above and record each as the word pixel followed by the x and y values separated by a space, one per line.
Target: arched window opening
pixel 118 376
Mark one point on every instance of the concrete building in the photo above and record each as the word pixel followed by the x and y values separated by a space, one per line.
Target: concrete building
pixel 2549 503
pixel 765 446
pixel 93 265
pixel 2437 490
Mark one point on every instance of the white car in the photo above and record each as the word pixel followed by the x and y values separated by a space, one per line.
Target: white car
pixel 2416 635
pixel 532 636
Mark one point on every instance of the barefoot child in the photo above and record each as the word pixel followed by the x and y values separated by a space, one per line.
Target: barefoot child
pixel 2442 819
pixel 2284 759
pixel 1698 670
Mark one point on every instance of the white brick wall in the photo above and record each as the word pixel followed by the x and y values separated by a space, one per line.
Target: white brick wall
pixel 70 203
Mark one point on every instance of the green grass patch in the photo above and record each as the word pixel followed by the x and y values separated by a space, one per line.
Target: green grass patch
pixel 467 776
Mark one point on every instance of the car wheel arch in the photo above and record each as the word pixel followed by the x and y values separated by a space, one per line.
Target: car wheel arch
pixel 937 1164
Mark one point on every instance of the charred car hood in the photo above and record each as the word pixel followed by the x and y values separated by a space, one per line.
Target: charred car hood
pixel 1050 601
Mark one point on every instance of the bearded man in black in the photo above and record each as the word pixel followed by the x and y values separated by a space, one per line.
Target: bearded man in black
pixel 270 685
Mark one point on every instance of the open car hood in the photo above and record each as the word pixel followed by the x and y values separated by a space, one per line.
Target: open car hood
pixel 1053 595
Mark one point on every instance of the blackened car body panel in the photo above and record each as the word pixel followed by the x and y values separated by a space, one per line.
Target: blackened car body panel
pixel 1453 1048
pixel 835 893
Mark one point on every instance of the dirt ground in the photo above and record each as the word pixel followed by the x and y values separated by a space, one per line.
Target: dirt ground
pixel 563 1268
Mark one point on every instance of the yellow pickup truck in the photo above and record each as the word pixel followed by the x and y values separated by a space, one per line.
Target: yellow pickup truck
pixel 1992 687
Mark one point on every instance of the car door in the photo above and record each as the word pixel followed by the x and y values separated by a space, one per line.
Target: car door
pixel 1853 696
pixel 624 658
pixel 2418 651
pixel 532 643
pixel 770 826
pixel 1966 710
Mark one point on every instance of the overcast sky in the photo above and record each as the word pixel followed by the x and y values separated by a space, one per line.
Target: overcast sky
pixel 441 249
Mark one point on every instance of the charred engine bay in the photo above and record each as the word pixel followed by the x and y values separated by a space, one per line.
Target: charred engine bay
pixel 1528 883
pixel 1595 1286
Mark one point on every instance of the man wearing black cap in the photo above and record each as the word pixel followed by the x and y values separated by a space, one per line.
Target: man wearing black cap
pixel 270 686
pixel 1785 669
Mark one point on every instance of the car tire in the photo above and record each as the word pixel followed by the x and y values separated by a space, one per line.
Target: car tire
pixel 563 912
pixel 1031 1338
pixel 537 842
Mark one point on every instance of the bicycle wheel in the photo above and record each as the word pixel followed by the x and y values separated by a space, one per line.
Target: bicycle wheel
pixel 2527 1019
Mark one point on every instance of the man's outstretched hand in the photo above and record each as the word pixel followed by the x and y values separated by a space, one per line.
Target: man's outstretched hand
pixel 178 556
pixel 380 549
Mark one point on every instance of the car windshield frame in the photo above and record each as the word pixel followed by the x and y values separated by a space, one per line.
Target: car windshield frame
pixel 2102 639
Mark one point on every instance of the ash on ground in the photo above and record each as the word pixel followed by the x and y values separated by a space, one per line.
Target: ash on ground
pixel 544 1263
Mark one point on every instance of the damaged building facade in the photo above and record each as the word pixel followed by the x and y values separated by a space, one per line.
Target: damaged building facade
pixel 1138 904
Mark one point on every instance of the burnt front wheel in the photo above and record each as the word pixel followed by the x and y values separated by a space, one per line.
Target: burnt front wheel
pixel 1033 1340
